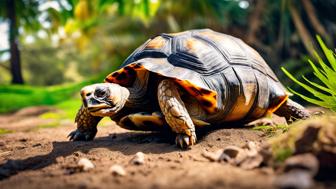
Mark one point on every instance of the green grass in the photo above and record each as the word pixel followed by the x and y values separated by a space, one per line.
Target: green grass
pixel 66 110
pixel 272 130
pixel 52 124
pixel 4 131
pixel 14 97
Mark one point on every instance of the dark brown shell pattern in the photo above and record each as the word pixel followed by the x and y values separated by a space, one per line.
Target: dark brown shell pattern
pixel 229 78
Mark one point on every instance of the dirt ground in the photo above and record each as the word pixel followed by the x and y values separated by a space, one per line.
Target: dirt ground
pixel 44 158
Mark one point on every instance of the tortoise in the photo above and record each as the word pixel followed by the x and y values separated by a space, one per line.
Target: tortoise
pixel 186 80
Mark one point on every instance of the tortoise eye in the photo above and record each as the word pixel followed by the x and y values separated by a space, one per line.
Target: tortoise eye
pixel 101 92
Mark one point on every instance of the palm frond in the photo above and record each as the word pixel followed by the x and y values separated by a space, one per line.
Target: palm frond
pixel 324 93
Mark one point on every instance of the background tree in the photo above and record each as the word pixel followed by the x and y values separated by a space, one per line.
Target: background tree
pixel 18 13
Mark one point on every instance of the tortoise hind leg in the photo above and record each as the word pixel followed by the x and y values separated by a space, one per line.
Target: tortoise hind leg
pixel 292 110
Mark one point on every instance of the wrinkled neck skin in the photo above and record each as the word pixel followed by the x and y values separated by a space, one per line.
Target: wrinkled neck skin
pixel 129 107
pixel 137 92
pixel 136 100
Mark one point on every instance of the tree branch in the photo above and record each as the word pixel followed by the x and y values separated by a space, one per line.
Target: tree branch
pixel 255 21
pixel 302 30
pixel 318 27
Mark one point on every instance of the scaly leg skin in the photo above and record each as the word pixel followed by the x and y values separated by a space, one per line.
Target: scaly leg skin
pixel 289 111
pixel 176 114
pixel 292 111
pixel 143 121
pixel 86 126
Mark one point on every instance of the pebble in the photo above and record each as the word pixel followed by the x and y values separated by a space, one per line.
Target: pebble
pixel 296 179
pixel 117 170
pixel 247 157
pixel 252 162
pixel 138 159
pixel 213 156
pixel 307 162
pixel 85 164
pixel 234 155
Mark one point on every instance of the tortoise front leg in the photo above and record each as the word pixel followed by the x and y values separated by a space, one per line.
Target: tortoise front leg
pixel 86 126
pixel 176 114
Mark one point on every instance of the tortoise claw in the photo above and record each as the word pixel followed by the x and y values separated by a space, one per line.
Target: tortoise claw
pixel 184 141
pixel 77 135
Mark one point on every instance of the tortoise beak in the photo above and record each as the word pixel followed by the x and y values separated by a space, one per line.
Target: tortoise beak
pixel 90 101
pixel 87 93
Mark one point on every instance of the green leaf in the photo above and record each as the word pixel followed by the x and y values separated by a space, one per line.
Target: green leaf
pixel 311 100
pixel 308 88
pixel 328 52
pixel 325 95
pixel 319 86
pixel 146 7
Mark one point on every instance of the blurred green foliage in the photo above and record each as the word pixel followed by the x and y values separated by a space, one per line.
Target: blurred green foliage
pixel 14 97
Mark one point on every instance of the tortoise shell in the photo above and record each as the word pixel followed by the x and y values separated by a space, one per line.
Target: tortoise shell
pixel 230 80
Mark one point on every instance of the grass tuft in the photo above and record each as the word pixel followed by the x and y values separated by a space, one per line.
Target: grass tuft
pixel 272 130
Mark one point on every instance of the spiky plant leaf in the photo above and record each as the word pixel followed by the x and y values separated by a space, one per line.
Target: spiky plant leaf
pixel 324 93
pixel 328 53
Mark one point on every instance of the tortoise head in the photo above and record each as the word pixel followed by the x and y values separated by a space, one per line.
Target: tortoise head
pixel 104 99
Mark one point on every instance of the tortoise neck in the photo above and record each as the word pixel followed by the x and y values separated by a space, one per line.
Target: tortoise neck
pixel 137 92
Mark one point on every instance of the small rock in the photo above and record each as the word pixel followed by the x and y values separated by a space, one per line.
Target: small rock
pixel 60 159
pixel 234 155
pixel 117 170
pixel 85 164
pixel 232 151
pixel 23 140
pixel 254 158
pixel 36 145
pixel 77 154
pixel 296 179
pixel 252 148
pixel 2 143
pixel 252 162
pixel 306 162
pixel 213 156
pixel 138 159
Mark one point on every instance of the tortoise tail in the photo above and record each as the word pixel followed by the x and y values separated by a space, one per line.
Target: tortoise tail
pixel 292 110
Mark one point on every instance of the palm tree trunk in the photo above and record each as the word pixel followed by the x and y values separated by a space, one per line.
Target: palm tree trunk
pixel 15 64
